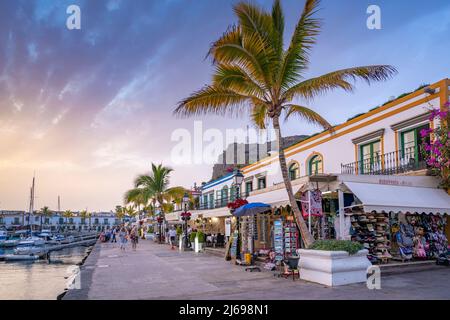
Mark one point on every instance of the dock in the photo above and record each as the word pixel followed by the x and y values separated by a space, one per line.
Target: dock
pixel 83 240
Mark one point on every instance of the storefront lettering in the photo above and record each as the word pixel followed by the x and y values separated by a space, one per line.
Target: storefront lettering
pixel 395 182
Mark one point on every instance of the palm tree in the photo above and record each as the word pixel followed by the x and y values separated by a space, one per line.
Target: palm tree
pixel 120 212
pixel 153 188
pixel 254 73
pixel 45 212
pixel 84 214
pixel 67 214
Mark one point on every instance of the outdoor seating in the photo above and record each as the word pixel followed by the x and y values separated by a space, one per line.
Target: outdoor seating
pixel 289 267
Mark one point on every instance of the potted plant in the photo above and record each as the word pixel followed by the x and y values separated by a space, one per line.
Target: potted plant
pixel 334 262
pixel 192 238
pixel 200 240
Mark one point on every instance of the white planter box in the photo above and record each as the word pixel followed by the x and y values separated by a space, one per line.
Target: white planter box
pixel 333 268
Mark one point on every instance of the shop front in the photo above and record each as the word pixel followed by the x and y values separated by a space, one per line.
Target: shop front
pixel 397 218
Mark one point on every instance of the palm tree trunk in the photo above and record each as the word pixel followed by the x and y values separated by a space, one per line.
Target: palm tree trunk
pixel 305 234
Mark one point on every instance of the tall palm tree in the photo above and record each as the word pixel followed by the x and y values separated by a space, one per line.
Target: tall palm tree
pixel 45 212
pixel 154 187
pixel 255 73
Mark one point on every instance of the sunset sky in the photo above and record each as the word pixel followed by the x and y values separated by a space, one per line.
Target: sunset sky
pixel 87 110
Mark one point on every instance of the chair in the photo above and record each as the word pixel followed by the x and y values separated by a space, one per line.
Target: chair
pixel 220 240
pixel 290 268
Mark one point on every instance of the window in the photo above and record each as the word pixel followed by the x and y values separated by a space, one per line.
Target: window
pixel 16 221
pixel 1 220
pixel 370 156
pixel 83 220
pixel 261 183
pixel 211 201
pixel 47 220
pixel 411 143
pixel 96 221
pixel 105 221
pixel 36 219
pixel 294 171
pixel 71 220
pixel 248 188
pixel 315 165
pixel 224 196
pixel 205 201
pixel 61 221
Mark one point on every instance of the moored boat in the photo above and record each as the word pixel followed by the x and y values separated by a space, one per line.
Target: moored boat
pixel 21 257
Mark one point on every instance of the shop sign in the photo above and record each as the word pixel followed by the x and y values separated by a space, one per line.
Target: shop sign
pixel 227 227
pixel 395 182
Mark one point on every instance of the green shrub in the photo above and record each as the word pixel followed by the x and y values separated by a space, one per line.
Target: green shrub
pixel 337 245
pixel 192 236
pixel 201 237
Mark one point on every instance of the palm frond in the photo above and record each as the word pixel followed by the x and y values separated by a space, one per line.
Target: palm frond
pixel 313 87
pixel 306 114
pixel 234 78
pixel 212 99
pixel 277 35
pixel 259 114
pixel 296 58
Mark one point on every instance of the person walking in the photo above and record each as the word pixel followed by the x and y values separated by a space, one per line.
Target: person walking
pixel 134 238
pixel 123 238
pixel 113 235
pixel 172 237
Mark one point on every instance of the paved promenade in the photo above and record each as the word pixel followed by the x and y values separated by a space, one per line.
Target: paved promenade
pixel 156 272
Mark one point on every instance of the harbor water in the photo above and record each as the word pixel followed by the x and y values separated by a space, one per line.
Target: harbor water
pixel 41 279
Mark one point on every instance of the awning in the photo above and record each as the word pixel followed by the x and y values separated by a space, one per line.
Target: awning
pixel 275 198
pixel 173 216
pixel 391 198
pixel 219 212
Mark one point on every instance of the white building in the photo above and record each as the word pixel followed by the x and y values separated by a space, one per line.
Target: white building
pixel 383 141
pixel 98 221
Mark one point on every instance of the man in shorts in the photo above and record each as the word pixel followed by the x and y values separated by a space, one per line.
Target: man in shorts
pixel 172 236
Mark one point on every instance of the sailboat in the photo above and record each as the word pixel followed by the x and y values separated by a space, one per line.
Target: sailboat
pixel 31 240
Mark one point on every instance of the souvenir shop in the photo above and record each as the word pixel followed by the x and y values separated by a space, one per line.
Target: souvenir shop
pixel 396 219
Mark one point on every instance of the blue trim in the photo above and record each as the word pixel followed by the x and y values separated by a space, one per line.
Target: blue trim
pixel 218 181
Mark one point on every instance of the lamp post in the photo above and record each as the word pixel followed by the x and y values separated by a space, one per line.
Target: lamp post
pixel 159 219
pixel 238 179
pixel 185 216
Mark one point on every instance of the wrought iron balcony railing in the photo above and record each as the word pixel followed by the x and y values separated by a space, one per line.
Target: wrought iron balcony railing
pixel 217 203
pixel 396 162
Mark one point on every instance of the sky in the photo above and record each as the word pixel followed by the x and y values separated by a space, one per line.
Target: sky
pixel 87 110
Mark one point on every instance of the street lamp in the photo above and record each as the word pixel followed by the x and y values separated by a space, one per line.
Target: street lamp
pixel 238 179
pixel 159 219
pixel 186 216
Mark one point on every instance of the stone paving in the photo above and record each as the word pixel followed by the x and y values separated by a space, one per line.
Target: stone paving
pixel 154 271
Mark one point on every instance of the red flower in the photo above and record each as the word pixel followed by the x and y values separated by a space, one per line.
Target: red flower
pixel 236 204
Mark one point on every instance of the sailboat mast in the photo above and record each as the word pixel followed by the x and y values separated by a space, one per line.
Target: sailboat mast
pixel 31 205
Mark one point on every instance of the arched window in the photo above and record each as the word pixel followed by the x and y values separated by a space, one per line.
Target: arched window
pixel 294 171
pixel 315 164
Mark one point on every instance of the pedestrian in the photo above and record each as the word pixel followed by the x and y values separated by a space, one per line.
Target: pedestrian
pixel 134 238
pixel 123 238
pixel 113 235
pixel 172 235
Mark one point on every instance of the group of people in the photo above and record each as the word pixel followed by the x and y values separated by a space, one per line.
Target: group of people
pixel 123 234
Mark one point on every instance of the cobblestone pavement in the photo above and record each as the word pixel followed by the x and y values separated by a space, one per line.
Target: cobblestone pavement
pixel 154 271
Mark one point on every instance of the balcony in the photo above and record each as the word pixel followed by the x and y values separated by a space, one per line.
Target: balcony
pixel 396 162
pixel 218 203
